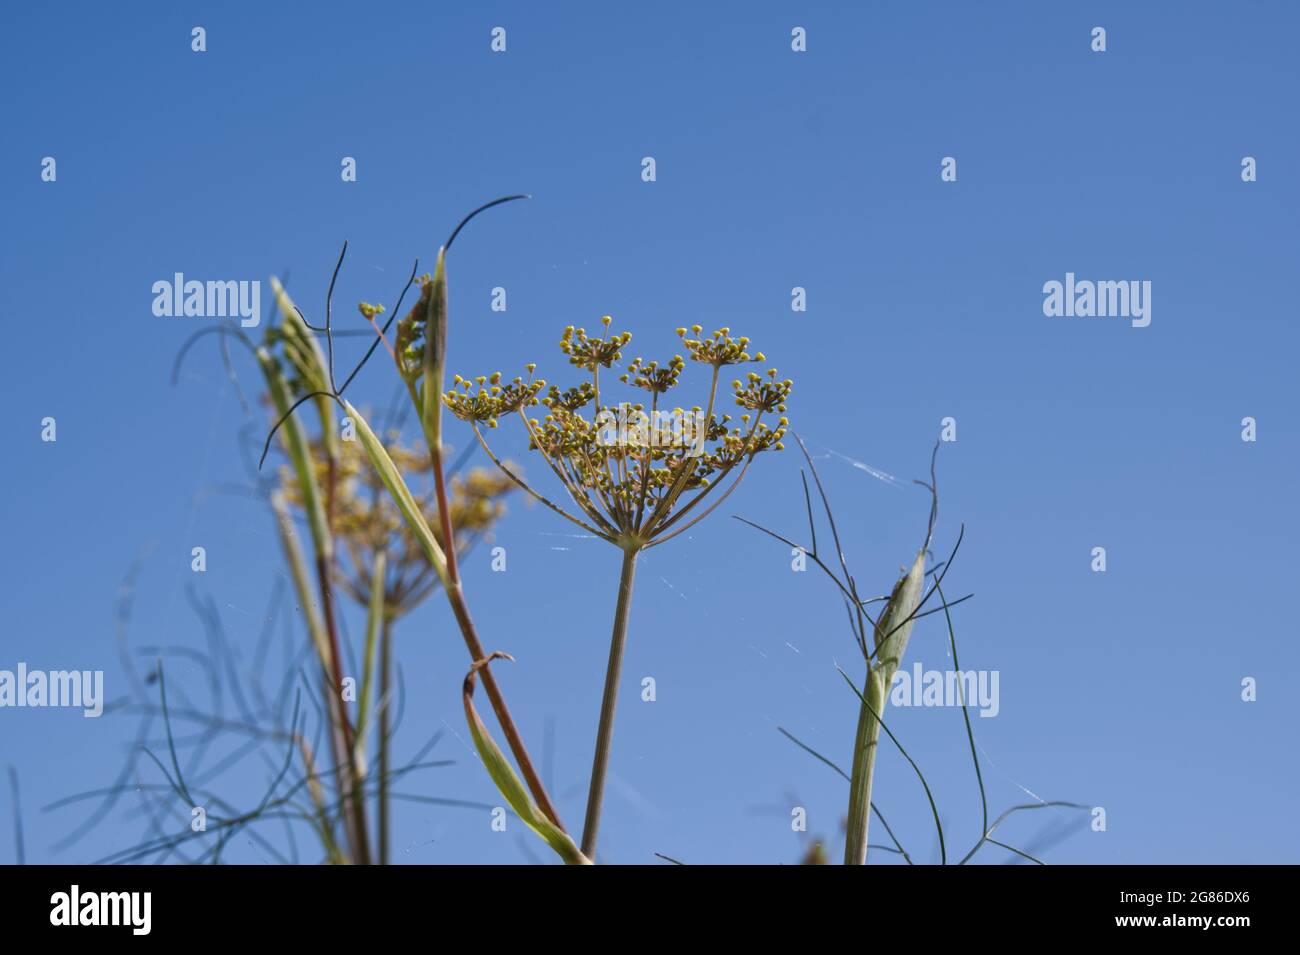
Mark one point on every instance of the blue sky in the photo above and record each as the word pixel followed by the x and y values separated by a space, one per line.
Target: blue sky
pixel 775 169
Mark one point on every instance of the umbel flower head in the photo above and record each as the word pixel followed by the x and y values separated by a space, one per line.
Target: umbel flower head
pixel 366 521
pixel 637 471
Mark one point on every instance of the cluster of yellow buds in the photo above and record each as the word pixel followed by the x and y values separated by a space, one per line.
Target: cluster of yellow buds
pixel 627 467
pixel 759 395
pixel 593 353
pixel 652 377
pixel 718 349
pixel 486 399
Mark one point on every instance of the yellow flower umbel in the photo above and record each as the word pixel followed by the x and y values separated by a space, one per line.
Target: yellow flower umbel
pixel 638 472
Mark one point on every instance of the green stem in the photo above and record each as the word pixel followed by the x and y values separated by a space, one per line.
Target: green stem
pixel 375 617
pixel 460 608
pixel 864 766
pixel 350 782
pixel 385 685
pixel 605 733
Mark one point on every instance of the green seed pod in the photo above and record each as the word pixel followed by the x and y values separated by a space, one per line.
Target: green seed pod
pixel 895 625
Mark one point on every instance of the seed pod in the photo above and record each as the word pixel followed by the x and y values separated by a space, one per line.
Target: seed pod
pixel 435 354
pixel 305 355
pixel 895 625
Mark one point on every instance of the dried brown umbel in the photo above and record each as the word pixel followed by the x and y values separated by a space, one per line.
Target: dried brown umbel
pixel 367 522
pixel 387 571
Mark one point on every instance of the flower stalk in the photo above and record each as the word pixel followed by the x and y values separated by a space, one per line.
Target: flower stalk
pixel 608 703
pixel 384 822
pixel 864 766
pixel 634 471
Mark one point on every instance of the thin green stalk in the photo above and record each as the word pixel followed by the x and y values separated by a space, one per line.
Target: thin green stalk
pixel 353 746
pixel 864 766
pixel 298 574
pixel 320 639
pixel 374 616
pixel 929 794
pixel 317 794
pixel 385 688
pixel 350 781
pixel 609 700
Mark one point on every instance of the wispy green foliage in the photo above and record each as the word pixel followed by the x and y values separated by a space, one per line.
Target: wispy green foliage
pixel 883 641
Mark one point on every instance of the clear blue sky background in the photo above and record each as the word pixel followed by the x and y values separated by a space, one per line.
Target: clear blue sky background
pixel 775 169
